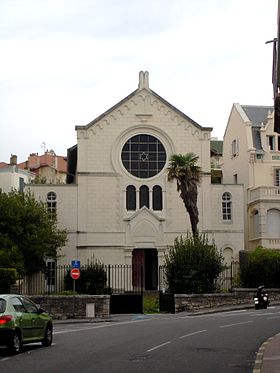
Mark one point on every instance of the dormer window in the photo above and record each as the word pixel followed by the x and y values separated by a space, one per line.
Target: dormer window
pixel 271 142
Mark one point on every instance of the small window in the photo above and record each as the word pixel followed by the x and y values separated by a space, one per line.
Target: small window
pixel 234 148
pixel 226 206
pixel 277 177
pixel 51 203
pixel 157 198
pixel 144 196
pixel 271 142
pixel 131 198
pixel 21 185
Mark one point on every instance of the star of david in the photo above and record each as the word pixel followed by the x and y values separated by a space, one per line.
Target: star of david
pixel 143 156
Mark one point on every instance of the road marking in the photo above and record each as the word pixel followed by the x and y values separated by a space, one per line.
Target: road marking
pixel 100 326
pixel 5 358
pixel 159 346
pixel 190 334
pixel 274 317
pixel 238 323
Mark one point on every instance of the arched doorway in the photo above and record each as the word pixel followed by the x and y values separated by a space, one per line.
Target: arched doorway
pixel 145 269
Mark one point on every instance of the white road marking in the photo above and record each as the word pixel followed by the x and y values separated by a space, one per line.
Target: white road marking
pixel 238 323
pixel 100 326
pixel 159 346
pixel 5 358
pixel 190 334
pixel 274 317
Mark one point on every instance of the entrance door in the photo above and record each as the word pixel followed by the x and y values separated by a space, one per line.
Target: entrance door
pixel 145 269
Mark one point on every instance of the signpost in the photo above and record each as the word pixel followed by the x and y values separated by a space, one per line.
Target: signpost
pixel 76 264
pixel 75 274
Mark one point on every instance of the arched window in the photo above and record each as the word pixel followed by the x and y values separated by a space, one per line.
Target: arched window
pixel 226 206
pixel 51 203
pixel 273 223
pixel 144 196
pixel 131 198
pixel 143 156
pixel 157 198
pixel 228 256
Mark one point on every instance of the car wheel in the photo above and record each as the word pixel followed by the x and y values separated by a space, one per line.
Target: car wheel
pixel 47 341
pixel 15 344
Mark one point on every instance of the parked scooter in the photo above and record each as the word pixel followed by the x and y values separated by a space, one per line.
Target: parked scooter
pixel 261 298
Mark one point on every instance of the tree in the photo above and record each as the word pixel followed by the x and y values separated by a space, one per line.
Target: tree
pixel 28 235
pixel 260 267
pixel 187 174
pixel 192 265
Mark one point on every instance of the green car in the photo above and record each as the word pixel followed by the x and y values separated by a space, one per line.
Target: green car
pixel 22 321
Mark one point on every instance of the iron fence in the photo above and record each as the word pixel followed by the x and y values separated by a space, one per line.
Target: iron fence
pixel 117 279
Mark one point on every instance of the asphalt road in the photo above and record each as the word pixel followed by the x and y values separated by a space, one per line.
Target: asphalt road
pixel 222 342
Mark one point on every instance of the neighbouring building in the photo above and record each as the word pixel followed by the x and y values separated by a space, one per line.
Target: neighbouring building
pixel 118 205
pixel 48 167
pixel 252 157
pixel 12 177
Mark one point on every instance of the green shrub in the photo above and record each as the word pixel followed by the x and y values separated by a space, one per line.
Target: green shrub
pixel 7 278
pixel 93 280
pixel 192 265
pixel 260 267
pixel 151 302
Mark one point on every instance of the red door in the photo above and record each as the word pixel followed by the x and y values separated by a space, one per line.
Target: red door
pixel 138 262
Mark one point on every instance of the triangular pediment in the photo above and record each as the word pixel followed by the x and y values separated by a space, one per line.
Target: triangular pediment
pixel 140 101
pixel 144 213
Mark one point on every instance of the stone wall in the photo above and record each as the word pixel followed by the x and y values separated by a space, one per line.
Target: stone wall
pixel 65 307
pixel 194 302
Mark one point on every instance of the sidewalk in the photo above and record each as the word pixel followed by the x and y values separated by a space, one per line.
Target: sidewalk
pixel 268 356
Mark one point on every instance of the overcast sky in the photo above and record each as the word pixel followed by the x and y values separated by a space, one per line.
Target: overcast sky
pixel 65 62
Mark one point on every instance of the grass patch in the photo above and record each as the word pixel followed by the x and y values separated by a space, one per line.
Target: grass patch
pixel 151 302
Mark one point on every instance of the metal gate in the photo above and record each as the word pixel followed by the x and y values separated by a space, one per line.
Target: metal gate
pixel 126 284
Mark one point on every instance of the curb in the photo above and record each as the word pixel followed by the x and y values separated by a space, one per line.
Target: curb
pixel 261 352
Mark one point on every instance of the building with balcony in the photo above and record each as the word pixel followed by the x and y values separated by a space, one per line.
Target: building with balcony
pixel 252 157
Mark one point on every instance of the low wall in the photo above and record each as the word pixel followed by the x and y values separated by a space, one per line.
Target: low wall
pixel 194 302
pixel 65 307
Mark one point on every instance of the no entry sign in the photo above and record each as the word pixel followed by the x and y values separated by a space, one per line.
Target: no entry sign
pixel 75 273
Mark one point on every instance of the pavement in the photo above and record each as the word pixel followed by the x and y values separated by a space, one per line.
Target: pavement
pixel 267 358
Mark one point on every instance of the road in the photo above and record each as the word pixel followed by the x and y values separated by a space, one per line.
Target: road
pixel 223 342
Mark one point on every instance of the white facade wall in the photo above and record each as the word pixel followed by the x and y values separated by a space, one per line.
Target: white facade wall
pixel 94 209
pixel 10 178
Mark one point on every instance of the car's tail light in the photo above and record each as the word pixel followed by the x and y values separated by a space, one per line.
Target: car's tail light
pixel 5 319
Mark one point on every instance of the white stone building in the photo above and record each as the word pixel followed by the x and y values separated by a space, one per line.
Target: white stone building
pixel 12 177
pixel 119 207
pixel 252 157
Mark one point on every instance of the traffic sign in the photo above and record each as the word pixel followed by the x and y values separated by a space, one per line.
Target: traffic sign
pixel 75 273
pixel 76 264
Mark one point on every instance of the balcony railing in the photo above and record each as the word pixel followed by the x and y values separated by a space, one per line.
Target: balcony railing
pixel 265 193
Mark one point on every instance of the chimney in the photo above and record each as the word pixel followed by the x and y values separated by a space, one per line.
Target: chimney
pixel 13 160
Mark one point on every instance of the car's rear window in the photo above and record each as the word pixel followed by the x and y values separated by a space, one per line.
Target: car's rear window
pixel 2 305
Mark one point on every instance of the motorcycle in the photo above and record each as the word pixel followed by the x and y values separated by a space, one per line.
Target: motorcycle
pixel 261 300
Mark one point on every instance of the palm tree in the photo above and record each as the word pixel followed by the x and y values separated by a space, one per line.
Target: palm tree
pixel 187 174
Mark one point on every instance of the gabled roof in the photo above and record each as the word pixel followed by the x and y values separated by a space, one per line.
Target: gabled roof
pixel 216 146
pixel 257 114
pixel 131 95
